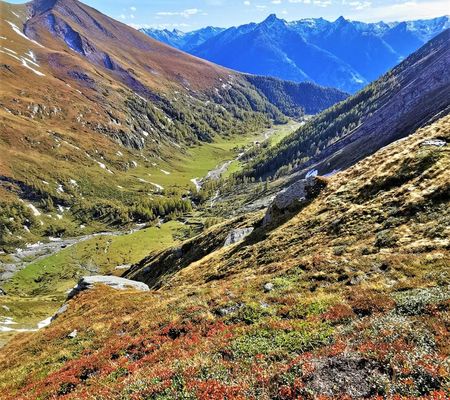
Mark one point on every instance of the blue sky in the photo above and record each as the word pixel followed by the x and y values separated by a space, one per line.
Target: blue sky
pixel 192 14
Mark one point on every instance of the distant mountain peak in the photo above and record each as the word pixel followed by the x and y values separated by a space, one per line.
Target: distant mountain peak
pixel 271 17
pixel 341 20
pixel 271 20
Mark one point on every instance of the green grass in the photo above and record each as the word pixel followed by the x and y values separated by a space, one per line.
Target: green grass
pixel 26 312
pixel 99 255
pixel 195 164
pixel 281 131
pixel 234 167
pixel 201 159
pixel 36 292
pixel 271 342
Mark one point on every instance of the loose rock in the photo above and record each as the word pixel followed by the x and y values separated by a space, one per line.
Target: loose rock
pixel 73 334
pixel 237 235
pixel 268 287
pixel 293 198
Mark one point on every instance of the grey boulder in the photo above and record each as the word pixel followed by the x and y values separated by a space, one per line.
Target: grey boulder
pixel 293 198
pixel 237 235
pixel 88 282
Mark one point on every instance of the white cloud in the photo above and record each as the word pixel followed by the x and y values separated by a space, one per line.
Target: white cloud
pixel 160 26
pixel 322 3
pixel 185 13
pixel 359 5
pixel 404 11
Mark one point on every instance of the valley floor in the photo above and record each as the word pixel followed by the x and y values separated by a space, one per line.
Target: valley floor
pixel 37 278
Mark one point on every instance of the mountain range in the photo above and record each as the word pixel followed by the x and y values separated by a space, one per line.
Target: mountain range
pixel 185 41
pixel 310 49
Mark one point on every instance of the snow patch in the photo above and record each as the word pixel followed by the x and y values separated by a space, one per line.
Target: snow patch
pixel 11 55
pixel 44 323
pixel 7 321
pixel 20 33
pixel 159 187
pixel 31 55
pixel 25 64
pixel 125 266
pixel 35 211
pixel 165 172
pixel 311 174
pixel 12 51
pixel 103 166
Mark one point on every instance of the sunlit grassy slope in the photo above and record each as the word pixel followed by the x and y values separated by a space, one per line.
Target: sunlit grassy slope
pixel 101 255
pixel 357 305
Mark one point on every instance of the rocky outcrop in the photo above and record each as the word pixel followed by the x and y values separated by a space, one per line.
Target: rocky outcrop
pixel 157 269
pixel 237 235
pixel 88 282
pixel 344 376
pixel 293 198
pixel 434 142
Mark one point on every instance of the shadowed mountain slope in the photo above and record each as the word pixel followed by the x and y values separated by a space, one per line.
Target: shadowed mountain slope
pixel 411 95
